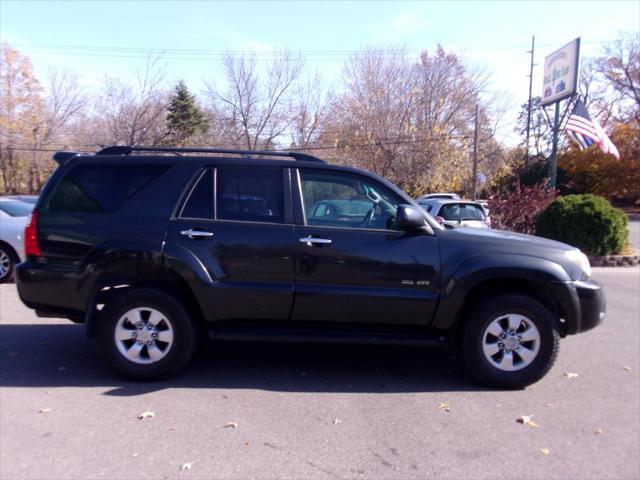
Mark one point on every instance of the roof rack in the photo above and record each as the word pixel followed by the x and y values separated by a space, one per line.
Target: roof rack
pixel 127 150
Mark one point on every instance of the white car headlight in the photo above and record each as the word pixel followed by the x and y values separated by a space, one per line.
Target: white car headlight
pixel 580 259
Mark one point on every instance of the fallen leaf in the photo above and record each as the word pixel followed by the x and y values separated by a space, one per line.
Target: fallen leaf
pixel 44 410
pixel 571 375
pixel 231 425
pixel 146 414
pixel 337 421
pixel 545 451
pixel 599 431
pixel 445 407
pixel 527 420
pixel 186 466
pixel 627 368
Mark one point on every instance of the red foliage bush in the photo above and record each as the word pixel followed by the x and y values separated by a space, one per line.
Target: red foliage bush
pixel 517 210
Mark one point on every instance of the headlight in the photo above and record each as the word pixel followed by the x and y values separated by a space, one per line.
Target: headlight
pixel 580 259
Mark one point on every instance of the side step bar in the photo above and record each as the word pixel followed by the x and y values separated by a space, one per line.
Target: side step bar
pixel 270 334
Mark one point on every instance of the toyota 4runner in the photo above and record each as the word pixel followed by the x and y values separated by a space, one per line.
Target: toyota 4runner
pixel 149 247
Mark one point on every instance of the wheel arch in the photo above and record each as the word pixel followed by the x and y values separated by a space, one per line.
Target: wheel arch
pixel 110 284
pixel 505 286
pixel 493 274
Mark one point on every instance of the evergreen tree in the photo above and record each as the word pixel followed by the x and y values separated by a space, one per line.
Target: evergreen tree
pixel 184 119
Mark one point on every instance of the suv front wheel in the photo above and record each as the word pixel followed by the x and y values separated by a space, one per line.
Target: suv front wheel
pixel 510 341
pixel 145 334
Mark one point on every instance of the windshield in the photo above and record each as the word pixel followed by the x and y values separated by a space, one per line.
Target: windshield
pixel 15 208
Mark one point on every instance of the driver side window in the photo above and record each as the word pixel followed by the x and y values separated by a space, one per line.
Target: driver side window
pixel 337 199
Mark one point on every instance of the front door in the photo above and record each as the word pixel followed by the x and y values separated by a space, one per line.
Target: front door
pixel 237 225
pixel 353 264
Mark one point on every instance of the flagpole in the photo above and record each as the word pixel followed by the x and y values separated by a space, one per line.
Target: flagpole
pixel 554 148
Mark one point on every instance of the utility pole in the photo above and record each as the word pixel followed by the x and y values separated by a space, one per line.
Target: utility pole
pixel 554 148
pixel 475 156
pixel 533 43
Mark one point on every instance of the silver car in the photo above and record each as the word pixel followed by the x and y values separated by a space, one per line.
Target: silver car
pixel 13 218
pixel 465 213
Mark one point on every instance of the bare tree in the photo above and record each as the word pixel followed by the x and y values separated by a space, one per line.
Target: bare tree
pixel 620 66
pixel 134 114
pixel 309 112
pixel 408 120
pixel 255 105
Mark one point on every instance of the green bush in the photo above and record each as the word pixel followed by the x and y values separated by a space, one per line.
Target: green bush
pixel 584 221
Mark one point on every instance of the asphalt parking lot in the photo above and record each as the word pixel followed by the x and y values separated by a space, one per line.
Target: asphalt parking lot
pixel 297 411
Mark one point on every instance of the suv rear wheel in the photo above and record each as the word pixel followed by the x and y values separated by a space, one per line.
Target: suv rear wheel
pixel 145 334
pixel 511 341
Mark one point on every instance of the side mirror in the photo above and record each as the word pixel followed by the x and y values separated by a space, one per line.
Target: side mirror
pixel 409 218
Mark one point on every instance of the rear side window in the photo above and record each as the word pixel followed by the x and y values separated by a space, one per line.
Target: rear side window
pixel 101 188
pixel 250 194
pixel 462 211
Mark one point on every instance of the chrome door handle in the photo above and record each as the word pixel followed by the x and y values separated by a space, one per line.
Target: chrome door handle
pixel 310 241
pixel 191 233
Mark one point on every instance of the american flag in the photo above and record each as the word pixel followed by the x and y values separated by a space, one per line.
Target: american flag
pixel 585 131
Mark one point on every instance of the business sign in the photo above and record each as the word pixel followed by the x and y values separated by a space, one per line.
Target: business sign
pixel 561 73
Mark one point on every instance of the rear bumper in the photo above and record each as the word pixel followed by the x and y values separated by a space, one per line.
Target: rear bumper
pixel 50 292
pixel 582 303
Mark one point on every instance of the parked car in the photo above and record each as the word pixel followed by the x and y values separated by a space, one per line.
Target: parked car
pixel 172 253
pixel 13 218
pixel 32 199
pixel 457 212
pixel 453 196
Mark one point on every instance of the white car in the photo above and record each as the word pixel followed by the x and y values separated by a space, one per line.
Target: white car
pixel 13 218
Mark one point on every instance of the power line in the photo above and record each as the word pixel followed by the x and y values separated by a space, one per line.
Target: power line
pixel 208 54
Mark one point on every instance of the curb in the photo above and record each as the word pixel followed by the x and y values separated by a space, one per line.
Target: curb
pixel 615 261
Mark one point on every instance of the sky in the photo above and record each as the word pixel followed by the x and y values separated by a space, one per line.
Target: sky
pixel 95 38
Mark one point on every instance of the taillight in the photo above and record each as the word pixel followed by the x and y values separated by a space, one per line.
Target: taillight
pixel 440 220
pixel 31 247
pixel 488 221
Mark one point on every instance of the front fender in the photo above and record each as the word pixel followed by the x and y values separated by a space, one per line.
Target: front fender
pixel 492 267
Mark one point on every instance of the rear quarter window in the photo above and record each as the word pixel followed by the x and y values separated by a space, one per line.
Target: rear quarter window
pixel 101 188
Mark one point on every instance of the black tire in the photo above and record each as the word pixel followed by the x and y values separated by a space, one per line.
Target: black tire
pixel 483 314
pixel 9 259
pixel 178 352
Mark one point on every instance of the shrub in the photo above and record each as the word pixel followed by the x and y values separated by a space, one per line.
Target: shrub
pixel 517 209
pixel 585 221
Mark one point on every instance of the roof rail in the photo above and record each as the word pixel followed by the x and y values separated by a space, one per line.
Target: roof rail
pixel 127 150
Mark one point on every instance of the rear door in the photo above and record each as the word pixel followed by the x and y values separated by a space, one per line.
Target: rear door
pixel 354 266
pixel 237 223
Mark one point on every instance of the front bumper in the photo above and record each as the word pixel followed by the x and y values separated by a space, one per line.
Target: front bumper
pixel 592 304
pixel 582 303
